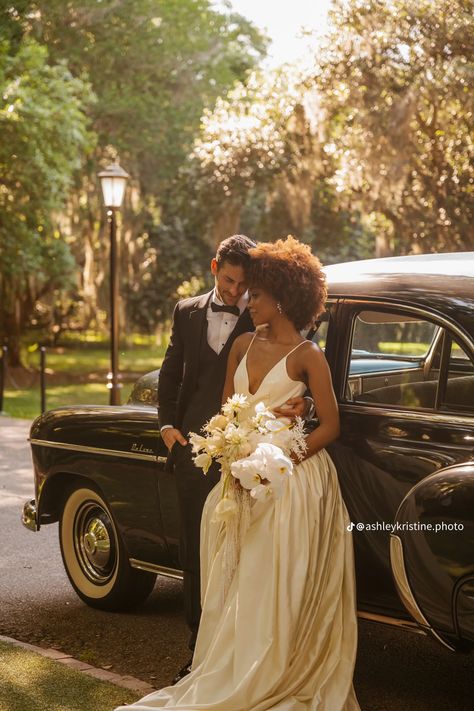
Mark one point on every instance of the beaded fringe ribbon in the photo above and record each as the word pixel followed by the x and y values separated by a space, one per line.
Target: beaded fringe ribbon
pixel 235 529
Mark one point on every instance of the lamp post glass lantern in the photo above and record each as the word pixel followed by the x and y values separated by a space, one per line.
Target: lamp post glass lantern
pixel 112 181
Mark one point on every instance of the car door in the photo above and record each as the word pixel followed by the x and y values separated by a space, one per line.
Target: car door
pixel 404 380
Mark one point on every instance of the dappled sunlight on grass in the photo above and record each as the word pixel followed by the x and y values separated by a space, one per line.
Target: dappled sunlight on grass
pixel 30 681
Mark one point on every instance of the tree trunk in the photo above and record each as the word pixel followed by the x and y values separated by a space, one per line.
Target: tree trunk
pixel 227 223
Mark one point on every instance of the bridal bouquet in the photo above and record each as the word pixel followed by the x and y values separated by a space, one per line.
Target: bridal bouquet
pixel 253 449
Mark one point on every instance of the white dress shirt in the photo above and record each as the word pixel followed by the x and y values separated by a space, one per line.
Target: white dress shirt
pixel 220 324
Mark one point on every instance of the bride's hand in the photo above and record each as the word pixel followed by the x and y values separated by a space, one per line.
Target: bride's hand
pixel 294 407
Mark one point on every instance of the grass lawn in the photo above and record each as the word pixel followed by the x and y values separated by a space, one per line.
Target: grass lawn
pixel 77 376
pixel 25 403
pixel 82 361
pixel 30 681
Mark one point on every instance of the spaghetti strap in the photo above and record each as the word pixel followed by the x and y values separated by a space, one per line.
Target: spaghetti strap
pixel 294 349
pixel 249 345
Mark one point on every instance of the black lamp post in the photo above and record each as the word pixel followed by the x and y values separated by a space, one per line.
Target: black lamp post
pixel 113 180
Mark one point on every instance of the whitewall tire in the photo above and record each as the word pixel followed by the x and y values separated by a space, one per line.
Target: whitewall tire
pixel 94 555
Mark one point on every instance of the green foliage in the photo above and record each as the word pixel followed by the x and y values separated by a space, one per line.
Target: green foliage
pixel 154 65
pixel 396 79
pixel 44 130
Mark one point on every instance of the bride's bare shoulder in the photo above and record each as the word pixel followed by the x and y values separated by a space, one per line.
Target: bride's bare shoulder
pixel 309 352
pixel 241 344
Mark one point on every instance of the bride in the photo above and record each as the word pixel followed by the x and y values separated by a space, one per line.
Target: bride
pixel 285 636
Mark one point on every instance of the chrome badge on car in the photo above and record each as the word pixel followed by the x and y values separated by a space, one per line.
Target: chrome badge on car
pixel 140 448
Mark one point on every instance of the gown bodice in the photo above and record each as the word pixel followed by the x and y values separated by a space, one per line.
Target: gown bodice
pixel 276 387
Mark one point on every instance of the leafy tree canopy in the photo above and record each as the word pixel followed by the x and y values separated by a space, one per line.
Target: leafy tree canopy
pixel 396 78
pixel 44 131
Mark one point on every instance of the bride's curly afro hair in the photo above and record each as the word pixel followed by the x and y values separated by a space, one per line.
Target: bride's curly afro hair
pixel 288 271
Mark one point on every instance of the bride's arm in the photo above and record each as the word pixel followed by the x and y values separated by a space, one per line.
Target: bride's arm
pixel 236 354
pixel 320 385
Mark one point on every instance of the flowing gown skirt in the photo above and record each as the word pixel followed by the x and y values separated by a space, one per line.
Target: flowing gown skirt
pixel 285 637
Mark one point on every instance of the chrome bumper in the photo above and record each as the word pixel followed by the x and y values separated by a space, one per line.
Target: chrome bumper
pixel 28 516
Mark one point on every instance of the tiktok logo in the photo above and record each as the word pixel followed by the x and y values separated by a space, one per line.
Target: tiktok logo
pixel 350 526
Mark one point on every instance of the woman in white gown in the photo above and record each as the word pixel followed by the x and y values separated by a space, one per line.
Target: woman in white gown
pixel 285 636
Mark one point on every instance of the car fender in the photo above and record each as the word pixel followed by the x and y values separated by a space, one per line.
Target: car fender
pixel 431 552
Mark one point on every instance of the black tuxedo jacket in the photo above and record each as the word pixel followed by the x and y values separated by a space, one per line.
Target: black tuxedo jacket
pixel 178 374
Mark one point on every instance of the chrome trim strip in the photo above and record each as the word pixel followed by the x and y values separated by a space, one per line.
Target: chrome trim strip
pixel 392 621
pixel 397 563
pixel 376 373
pixel 422 415
pixel 159 569
pixel 98 450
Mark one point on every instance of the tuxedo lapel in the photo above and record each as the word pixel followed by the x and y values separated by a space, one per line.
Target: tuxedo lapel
pixel 197 330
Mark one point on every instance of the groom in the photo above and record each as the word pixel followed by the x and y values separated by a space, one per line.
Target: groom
pixel 189 393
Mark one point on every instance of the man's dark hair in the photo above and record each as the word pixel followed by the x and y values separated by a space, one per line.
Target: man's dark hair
pixel 235 250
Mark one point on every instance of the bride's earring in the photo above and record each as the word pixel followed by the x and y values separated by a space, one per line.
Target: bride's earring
pixel 280 310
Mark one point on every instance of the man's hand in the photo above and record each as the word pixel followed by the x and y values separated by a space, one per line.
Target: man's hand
pixel 294 407
pixel 170 435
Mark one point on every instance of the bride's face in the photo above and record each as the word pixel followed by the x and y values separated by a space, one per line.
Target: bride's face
pixel 262 306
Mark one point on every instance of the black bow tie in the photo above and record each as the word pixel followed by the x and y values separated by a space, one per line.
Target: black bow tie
pixel 228 309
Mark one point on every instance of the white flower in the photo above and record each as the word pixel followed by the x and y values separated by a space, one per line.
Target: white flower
pixel 197 442
pixel 277 464
pixel 277 425
pixel 215 443
pixel 275 489
pixel 203 461
pixel 280 433
pixel 225 509
pixel 261 492
pixel 234 405
pixel 237 437
pixel 218 422
pixel 247 471
pixel 262 416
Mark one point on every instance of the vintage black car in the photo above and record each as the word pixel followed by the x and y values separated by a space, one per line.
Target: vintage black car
pixel 399 337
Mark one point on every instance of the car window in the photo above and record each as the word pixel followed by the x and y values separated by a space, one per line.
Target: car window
pixel 385 334
pixel 459 392
pixel 392 360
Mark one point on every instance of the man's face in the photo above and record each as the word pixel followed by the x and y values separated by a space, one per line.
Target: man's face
pixel 230 281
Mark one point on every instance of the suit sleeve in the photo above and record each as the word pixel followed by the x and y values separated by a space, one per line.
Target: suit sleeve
pixel 171 374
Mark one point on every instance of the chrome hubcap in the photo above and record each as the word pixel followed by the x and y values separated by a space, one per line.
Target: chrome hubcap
pixel 95 542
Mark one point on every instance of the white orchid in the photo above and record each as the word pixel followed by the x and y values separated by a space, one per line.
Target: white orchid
pixel 261 492
pixel 248 470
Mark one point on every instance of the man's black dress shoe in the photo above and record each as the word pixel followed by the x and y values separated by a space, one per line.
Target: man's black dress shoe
pixel 183 672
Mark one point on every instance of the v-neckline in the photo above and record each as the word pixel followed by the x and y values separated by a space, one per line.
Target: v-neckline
pixel 271 369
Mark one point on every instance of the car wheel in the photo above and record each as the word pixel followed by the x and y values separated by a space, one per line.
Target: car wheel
pixel 94 555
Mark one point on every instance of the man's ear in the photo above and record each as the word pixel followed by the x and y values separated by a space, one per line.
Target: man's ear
pixel 214 266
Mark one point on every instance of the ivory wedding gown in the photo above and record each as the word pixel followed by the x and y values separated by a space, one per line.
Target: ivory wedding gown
pixel 285 638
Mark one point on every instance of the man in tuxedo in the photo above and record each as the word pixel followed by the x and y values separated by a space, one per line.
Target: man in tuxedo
pixel 189 393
